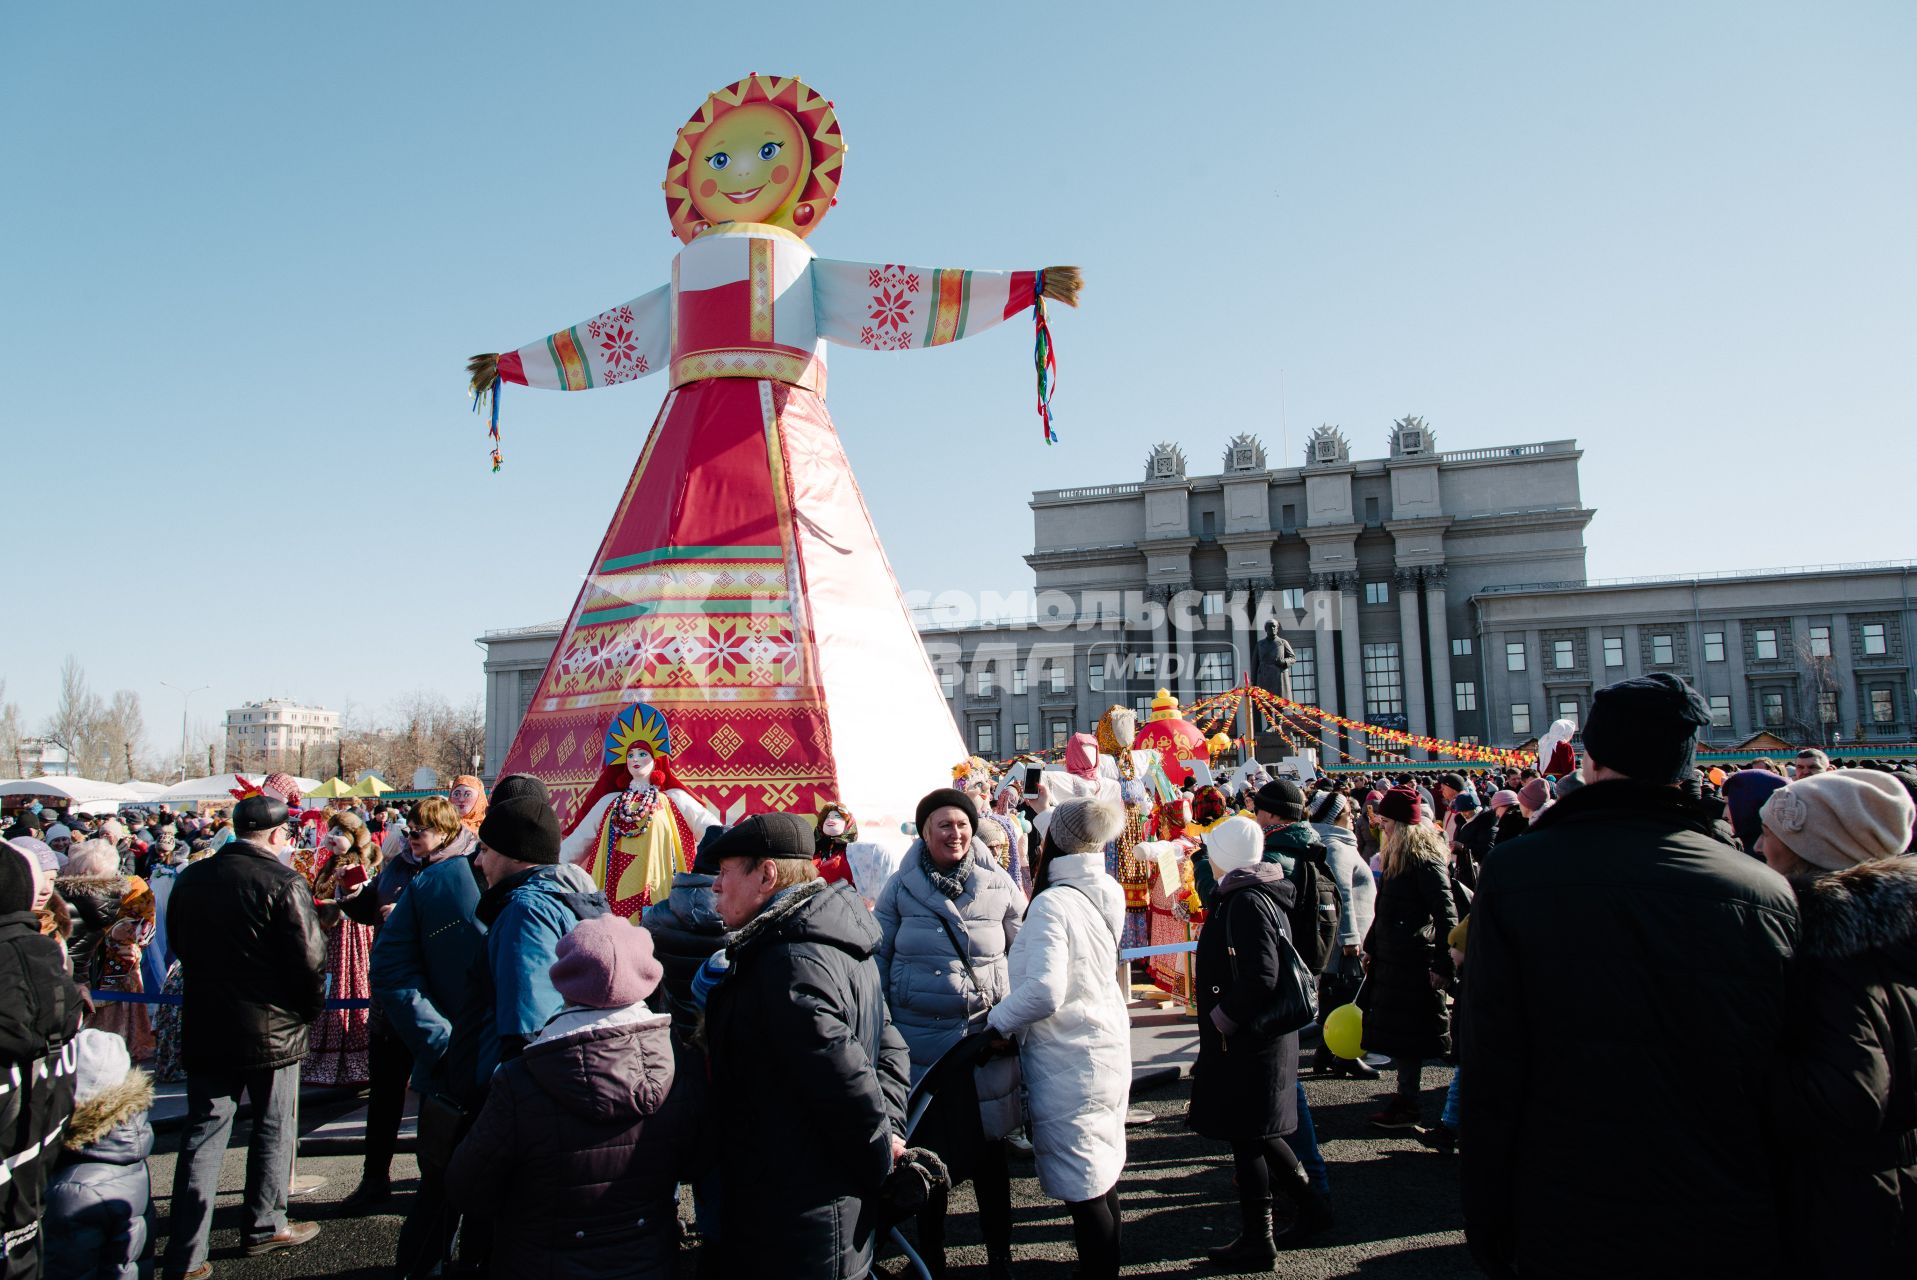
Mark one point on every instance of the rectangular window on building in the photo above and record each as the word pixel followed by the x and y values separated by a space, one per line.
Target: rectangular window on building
pixel 1720 711
pixel 1095 672
pixel 1613 651
pixel 1304 676
pixel 1663 650
pixel 1384 686
pixel 1142 705
pixel 1521 719
pixel 1514 655
pixel 1208 525
pixel 1371 511
pixel 1058 674
pixel 1827 706
pixel 1883 706
pixel 1469 740
pixel 1060 730
pixel 1214 673
pixel 1713 646
pixel 1145 665
pixel 1876 645
pixel 1212 603
pixel 1292 599
pixel 985 738
pixel 1764 641
pixel 1568 710
pixel 1461 647
pixel 1021 737
pixel 1288 516
pixel 1563 654
pixel 1464 695
pixel 1018 679
pixel 1377 593
pixel 982 684
pixel 1820 642
pixel 1772 701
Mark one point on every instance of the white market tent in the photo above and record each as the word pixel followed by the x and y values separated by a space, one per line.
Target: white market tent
pixel 216 789
pixel 82 794
pixel 145 790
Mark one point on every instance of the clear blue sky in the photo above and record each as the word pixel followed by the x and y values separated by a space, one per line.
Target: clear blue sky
pixel 245 249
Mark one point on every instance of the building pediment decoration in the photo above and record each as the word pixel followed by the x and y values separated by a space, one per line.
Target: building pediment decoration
pixel 1327 447
pixel 1244 453
pixel 1411 438
pixel 1166 462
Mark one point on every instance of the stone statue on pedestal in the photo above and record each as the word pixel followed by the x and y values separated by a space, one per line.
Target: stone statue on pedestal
pixel 1271 661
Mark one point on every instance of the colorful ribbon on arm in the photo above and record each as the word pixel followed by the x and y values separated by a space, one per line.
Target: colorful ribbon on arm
pixel 490 395
pixel 1043 358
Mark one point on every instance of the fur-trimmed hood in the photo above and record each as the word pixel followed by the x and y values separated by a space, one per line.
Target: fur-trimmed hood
pixel 1864 908
pixel 99 1115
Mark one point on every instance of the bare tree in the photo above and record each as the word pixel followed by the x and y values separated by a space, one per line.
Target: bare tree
pixel 77 723
pixel 422 729
pixel 10 756
pixel 122 726
pixel 1816 682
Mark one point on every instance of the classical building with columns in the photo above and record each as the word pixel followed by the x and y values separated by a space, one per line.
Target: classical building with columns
pixel 1366 565
pixel 1439 593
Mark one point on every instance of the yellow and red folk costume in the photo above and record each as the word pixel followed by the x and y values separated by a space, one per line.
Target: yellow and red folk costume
pixel 640 826
pixel 741 587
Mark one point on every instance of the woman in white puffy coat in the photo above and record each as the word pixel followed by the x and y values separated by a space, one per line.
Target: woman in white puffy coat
pixel 1068 1015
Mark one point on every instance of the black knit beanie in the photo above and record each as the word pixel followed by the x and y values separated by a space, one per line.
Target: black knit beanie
pixel 519 784
pixel 1646 728
pixel 16 881
pixel 523 827
pixel 945 798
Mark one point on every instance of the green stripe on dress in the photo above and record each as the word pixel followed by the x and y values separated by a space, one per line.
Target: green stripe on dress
pixel 694 553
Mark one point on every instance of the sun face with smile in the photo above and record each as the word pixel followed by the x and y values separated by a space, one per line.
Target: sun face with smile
pixel 749 165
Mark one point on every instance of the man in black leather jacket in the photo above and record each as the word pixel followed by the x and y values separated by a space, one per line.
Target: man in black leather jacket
pixel 253 962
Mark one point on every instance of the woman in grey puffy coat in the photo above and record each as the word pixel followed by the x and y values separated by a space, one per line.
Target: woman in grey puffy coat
pixel 97 1199
pixel 946 921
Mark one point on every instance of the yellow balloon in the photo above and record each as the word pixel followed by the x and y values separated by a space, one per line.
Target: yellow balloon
pixel 1344 1031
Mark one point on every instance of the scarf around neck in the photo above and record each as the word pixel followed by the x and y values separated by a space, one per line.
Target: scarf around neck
pixel 950 883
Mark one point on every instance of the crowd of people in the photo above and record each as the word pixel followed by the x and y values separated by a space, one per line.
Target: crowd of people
pixel 1681 1006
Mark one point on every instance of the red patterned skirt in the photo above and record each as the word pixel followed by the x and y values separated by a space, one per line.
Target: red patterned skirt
pixel 337 1051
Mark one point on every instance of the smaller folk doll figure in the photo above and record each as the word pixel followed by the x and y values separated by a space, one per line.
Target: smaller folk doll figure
pixel 640 826
pixel 836 829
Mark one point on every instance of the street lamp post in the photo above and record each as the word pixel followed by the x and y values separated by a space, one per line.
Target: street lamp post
pixel 186 697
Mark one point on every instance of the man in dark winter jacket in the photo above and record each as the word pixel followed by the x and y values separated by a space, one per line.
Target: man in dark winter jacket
pixel 808 1074
pixel 1614 947
pixel 40 1013
pixel 254 965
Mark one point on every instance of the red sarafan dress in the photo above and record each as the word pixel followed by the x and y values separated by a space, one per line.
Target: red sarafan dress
pixel 741 588
pixel 337 1047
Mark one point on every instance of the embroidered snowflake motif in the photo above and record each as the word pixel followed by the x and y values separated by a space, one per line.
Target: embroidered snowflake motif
pixel 890 309
pixel 912 283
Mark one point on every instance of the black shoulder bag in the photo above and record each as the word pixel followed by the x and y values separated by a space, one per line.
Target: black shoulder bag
pixel 1294 1005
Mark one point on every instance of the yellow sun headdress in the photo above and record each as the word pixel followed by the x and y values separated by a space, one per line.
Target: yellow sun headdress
pixel 637 725
pixel 809 158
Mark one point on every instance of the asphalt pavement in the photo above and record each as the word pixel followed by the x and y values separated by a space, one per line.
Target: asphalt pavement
pixel 1397 1203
